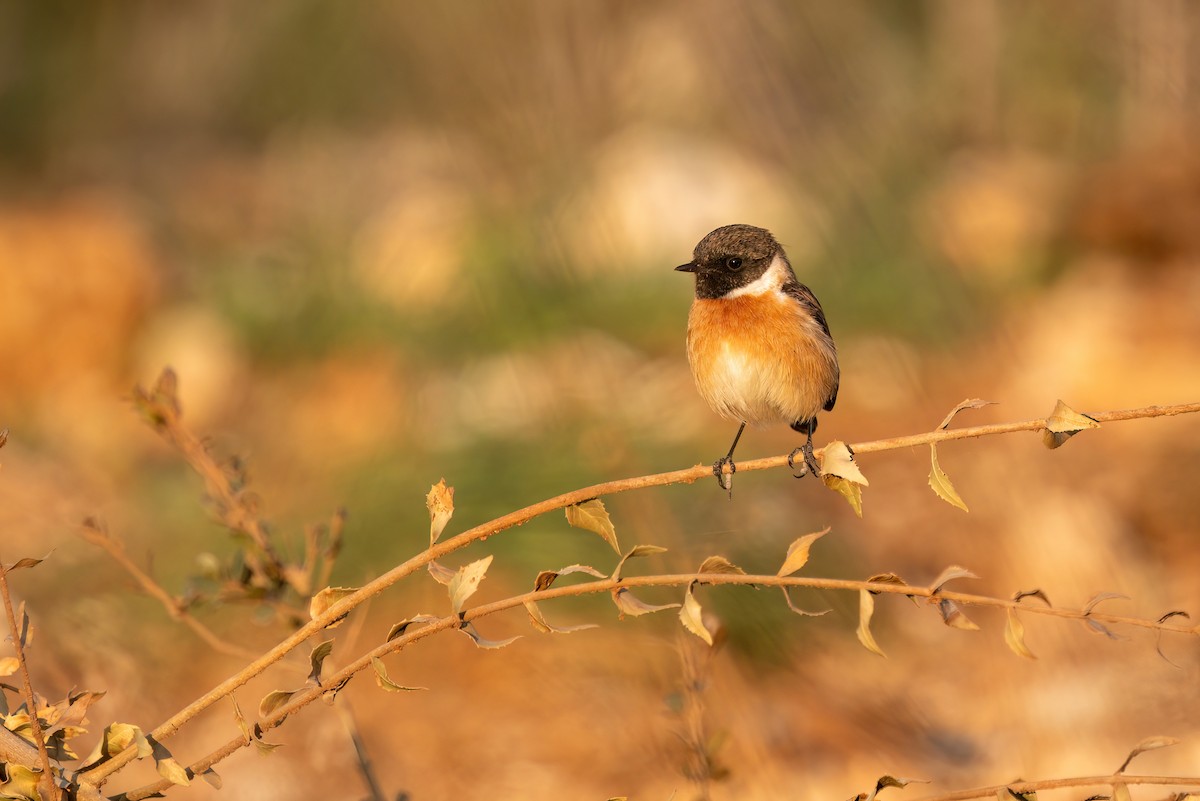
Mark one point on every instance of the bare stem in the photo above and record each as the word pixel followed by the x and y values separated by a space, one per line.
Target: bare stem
pixel 46 784
pixel 98 775
pixel 1022 788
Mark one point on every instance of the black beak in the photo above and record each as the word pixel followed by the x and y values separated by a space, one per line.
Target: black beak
pixel 690 267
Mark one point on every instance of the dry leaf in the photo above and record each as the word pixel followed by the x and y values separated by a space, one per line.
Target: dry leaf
pixel 440 503
pixel 837 460
pixel 1064 423
pixel 847 489
pixel 634 553
pixel 168 767
pixel 692 616
pixel 892 781
pixel 592 515
pixel 538 620
pixel 28 561
pixel 326 598
pixel 547 577
pixel 628 604
pixel 21 782
pixel 1014 635
pixel 273 700
pixel 866 608
pixel 969 403
pixel 466 581
pixel 381 678
pixel 797 552
pixel 1019 596
pixel 241 720
pixel 9 665
pixel 1149 744
pixel 949 574
pixel 941 484
pixel 265 748
pixel 442 575
pixel 953 616
pixel 399 628
pixel 1120 792
pixel 1100 598
pixel 211 777
pixel 787 597
pixel 719 564
pixel 316 658
pixel 469 630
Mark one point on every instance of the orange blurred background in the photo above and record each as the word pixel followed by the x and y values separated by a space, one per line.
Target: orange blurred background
pixel 383 243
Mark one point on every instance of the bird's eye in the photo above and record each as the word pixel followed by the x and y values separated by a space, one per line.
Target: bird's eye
pixel 733 263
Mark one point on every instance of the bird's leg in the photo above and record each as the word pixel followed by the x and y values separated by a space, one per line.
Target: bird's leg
pixel 810 461
pixel 723 478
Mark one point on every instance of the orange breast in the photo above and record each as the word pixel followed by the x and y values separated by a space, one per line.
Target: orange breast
pixel 760 358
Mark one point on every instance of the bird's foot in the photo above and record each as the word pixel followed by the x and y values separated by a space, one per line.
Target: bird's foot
pixel 723 478
pixel 810 461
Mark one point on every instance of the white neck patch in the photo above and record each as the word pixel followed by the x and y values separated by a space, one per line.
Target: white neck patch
pixel 771 280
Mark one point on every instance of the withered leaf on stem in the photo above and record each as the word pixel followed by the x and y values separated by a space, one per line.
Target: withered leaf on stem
pixel 1014 635
pixel 1148 744
pixel 326 598
pixel 273 700
pixel 1100 598
pixel 264 748
pixel 316 658
pixel 547 577
pixel 592 516
pixel 950 574
pixel 440 503
pixel 538 621
pixel 636 552
pixel 1064 423
pixel 719 564
pixel 892 781
pixel 168 767
pixel 21 782
pixel 470 630
pixel 952 615
pixel 797 552
pixel 866 609
pixel 1159 632
pixel 940 483
pixel 212 778
pixel 1120 792
pixel 26 562
pixel 692 616
pixel 466 581
pixel 840 473
pixel 9 665
pixel 381 678
pixel 442 575
pixel 787 597
pixel 1023 594
pixel 629 604
pixel 241 720
pixel 399 628
pixel 969 403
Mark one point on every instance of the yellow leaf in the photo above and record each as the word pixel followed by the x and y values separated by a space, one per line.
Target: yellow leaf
pixel 1064 423
pixel 836 459
pixel 940 482
pixel 847 489
pixel 9 665
pixel 797 552
pixel 1014 635
pixel 326 598
pixel 592 515
pixel 692 616
pixel 866 608
pixel 440 503
pixel 466 581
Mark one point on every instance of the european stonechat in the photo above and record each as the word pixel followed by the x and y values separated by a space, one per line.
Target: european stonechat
pixel 757 340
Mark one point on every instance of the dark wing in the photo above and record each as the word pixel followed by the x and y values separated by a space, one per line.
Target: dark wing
pixel 808 300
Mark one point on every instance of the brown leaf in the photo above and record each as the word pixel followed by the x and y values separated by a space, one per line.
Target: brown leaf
pixel 636 552
pixel 719 564
pixel 442 575
pixel 331 691
pixel 316 658
pixel 691 615
pixel 950 574
pixel 866 608
pixel 538 620
pixel 1014 635
pixel 381 678
pixel 787 597
pixel 326 598
pixel 1148 744
pixel 547 577
pixel 953 616
pixel 892 781
pixel 592 515
pixel 241 720
pixel 264 748
pixel 466 582
pixel 273 700
pixel 940 483
pixel 469 630
pixel 399 628
pixel 27 562
pixel 797 552
pixel 1023 594
pixel 628 604
pixel 1064 423
pixel 1159 632
pixel 440 503
pixel 969 403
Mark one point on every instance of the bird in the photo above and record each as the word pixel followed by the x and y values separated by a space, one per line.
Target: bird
pixel 758 343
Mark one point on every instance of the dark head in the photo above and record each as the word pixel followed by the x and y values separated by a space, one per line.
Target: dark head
pixel 731 257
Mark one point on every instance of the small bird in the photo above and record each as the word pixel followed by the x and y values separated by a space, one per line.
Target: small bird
pixel 757 340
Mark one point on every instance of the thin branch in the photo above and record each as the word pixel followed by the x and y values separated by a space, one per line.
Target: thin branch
pixel 308 695
pixel 93 533
pixel 1023 787
pixel 98 775
pixel 46 784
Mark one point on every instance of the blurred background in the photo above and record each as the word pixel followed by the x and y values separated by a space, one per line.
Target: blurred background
pixel 383 243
